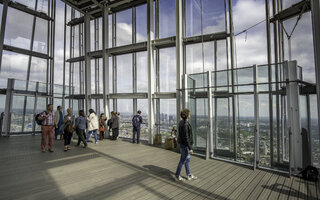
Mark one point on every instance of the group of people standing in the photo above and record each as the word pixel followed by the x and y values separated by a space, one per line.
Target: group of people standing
pixel 54 124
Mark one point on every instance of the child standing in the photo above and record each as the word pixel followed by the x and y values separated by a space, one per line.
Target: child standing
pixel 102 126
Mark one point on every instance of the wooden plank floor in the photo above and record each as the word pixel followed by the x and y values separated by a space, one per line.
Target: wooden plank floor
pixel 121 170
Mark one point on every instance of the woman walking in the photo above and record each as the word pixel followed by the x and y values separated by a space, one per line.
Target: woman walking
pixel 68 124
pixel 185 140
pixel 81 126
pixel 93 125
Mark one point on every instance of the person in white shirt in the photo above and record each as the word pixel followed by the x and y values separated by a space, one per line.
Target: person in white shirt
pixel 93 125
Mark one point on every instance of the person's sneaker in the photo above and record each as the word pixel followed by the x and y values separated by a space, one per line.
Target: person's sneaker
pixel 43 150
pixel 96 143
pixel 191 177
pixel 51 150
pixel 179 178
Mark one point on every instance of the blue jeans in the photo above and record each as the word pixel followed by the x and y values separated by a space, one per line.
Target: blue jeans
pixel 184 160
pixel 95 135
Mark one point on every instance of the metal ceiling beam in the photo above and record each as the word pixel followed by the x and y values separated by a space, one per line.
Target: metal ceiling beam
pixel 296 9
pixel 26 52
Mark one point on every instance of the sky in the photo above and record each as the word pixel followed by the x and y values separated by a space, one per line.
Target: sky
pixel 250 46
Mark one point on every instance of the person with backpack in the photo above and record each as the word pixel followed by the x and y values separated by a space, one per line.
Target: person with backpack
pixel 81 126
pixel 59 120
pixel 109 124
pixel 136 123
pixel 48 122
pixel 93 125
pixel 185 139
pixel 68 124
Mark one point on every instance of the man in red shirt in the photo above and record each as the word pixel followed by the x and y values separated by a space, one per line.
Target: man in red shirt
pixel 48 123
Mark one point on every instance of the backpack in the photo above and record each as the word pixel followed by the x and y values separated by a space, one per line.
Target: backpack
pixel 38 121
pixel 310 173
pixel 136 121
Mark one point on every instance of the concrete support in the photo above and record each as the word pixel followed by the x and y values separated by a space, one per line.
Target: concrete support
pixel 315 8
pixel 87 70
pixel 294 123
pixel 8 108
pixel 150 48
pixel 105 60
pixel 179 58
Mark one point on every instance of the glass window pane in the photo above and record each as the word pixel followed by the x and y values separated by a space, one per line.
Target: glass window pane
pixel 142 72
pixel 124 27
pixel 167 70
pixel 167 18
pixel 38 70
pixel 141 23
pixel 168 116
pixel 125 108
pixel 43 6
pixel 142 105
pixel 29 3
pixel 14 65
pixel 245 128
pixel 124 74
pixel 40 36
pixel 264 130
pixel 222 61
pixel 315 137
pixel 193 17
pixel 213 16
pixel 195 59
pixel 17 114
pixel 18 32
pixel 29 116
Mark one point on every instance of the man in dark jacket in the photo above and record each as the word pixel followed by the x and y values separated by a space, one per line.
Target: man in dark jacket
pixel 136 123
pixel 185 139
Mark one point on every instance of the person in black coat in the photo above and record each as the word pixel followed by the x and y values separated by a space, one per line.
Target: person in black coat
pixel 185 139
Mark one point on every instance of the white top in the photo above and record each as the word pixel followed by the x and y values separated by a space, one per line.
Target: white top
pixel 93 122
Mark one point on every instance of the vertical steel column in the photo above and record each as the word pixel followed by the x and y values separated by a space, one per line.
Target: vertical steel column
pixel 114 59
pixel 150 69
pixel 294 122
pixel 234 128
pixel 269 80
pixel 315 7
pixel 276 60
pixel 87 60
pixel 71 65
pixel 8 108
pixel 256 117
pixel 53 15
pixel 64 58
pixel 157 63
pixel 105 59
pixel 3 27
pixel 134 60
pixel 210 129
pixel 179 58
